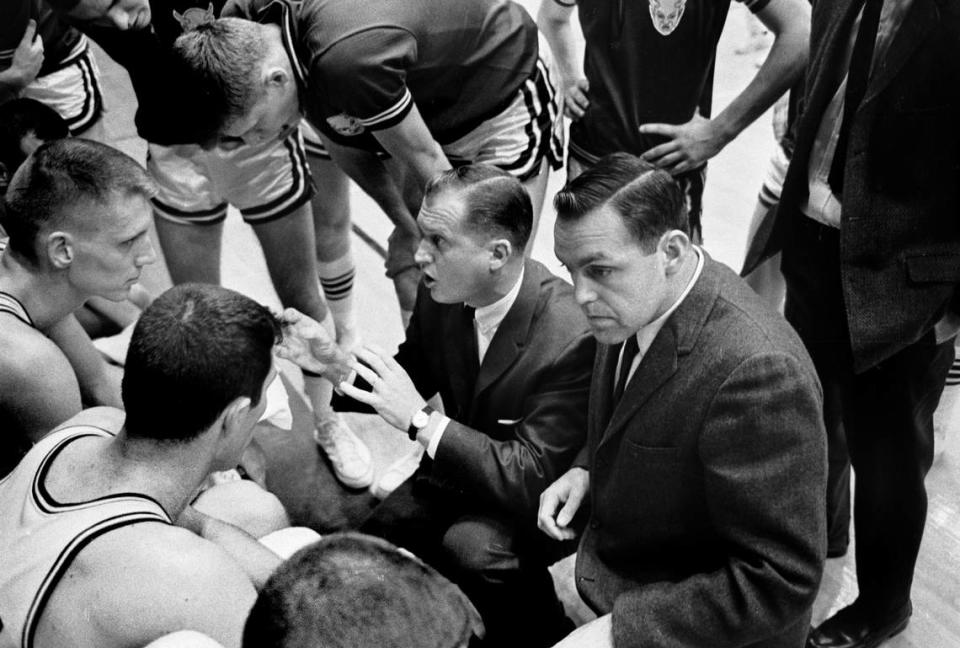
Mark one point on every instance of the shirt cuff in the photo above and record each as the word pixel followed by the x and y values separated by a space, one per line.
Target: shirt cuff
pixel 435 439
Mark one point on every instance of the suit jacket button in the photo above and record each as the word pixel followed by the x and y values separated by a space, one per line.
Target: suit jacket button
pixel 594 524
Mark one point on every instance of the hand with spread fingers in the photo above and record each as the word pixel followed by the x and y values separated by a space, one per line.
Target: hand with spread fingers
pixel 392 393
pixel 308 345
pixel 689 146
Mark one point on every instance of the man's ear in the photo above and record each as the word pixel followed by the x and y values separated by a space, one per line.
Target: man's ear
pixel 501 250
pixel 60 250
pixel 234 414
pixel 674 246
pixel 276 77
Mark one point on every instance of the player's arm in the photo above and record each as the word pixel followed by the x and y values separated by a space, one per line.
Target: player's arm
pixel 99 383
pixel 25 64
pixel 555 19
pixel 371 175
pixel 38 388
pixel 693 143
pixel 256 561
pixel 167 580
pixel 411 143
pixel 371 68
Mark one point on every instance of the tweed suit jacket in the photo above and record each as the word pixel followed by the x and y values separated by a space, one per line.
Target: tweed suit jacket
pixel 520 423
pixel 900 228
pixel 707 480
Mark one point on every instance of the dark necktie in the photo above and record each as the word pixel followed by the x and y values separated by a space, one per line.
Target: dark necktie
pixel 471 352
pixel 630 349
pixel 857 77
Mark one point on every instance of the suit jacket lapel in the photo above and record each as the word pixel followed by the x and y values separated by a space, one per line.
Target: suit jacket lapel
pixel 837 40
pixel 512 333
pixel 919 20
pixel 658 364
pixel 675 340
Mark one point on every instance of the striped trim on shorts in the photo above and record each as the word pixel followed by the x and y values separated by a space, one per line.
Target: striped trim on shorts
pixel 72 89
pixel 517 140
pixel 264 181
pixel 521 136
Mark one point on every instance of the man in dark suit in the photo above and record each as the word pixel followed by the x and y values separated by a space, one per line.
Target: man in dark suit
pixel 502 342
pixel 868 224
pixel 705 463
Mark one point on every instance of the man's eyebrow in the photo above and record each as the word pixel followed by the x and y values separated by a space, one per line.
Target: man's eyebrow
pixel 591 258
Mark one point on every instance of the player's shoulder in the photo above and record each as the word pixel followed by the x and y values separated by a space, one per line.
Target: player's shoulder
pixel 108 419
pixel 151 577
pixel 27 355
pixel 155 558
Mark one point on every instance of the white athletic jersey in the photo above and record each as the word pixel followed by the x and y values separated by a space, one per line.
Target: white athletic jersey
pixel 40 537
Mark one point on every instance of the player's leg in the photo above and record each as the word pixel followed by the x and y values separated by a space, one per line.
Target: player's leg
pixel 270 183
pixel 766 279
pixel 536 186
pixel 331 221
pixel 188 212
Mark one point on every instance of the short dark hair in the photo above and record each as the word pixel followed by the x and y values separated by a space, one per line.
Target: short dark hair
pixel 220 61
pixel 496 202
pixel 352 591
pixel 21 117
pixel 59 174
pixel 194 350
pixel 63 6
pixel 649 200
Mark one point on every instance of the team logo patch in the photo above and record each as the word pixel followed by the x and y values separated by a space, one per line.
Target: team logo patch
pixel 345 124
pixel 194 17
pixel 666 14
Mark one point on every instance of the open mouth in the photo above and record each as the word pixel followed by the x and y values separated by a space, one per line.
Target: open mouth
pixel 429 281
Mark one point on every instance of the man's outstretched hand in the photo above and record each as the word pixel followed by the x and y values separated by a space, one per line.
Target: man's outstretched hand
pixel 392 392
pixel 308 345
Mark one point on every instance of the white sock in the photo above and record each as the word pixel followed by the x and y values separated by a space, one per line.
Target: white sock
pixel 336 279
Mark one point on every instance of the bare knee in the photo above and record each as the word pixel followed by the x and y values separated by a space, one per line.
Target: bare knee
pixel 244 504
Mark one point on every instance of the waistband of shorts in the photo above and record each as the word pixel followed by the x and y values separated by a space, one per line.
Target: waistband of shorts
pixel 463 129
pixel 79 50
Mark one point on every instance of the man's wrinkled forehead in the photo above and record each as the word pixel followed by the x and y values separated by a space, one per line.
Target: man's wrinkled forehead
pixel 441 214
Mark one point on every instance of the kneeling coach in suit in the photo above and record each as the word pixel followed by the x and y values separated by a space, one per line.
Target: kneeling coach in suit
pixel 503 343
pixel 705 464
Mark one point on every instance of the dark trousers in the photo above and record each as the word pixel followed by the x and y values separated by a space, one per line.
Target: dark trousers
pixel 501 570
pixel 879 421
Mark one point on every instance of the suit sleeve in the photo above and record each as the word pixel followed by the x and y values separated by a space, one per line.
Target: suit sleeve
pixel 511 474
pixel 763 454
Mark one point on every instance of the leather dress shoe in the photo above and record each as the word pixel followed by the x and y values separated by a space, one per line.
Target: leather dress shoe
pixel 849 628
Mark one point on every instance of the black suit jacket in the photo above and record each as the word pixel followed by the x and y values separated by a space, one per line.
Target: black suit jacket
pixel 520 424
pixel 900 233
pixel 707 480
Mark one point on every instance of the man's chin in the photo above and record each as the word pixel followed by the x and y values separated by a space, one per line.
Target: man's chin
pixel 608 334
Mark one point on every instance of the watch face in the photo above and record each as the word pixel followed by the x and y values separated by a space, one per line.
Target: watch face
pixel 420 419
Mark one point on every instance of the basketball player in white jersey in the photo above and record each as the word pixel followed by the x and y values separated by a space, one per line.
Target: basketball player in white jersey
pixel 99 546
pixel 77 214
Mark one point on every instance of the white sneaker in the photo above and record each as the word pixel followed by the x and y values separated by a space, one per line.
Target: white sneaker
pixel 348 455
pixel 397 472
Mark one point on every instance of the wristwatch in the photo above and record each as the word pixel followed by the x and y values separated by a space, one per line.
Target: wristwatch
pixel 419 421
